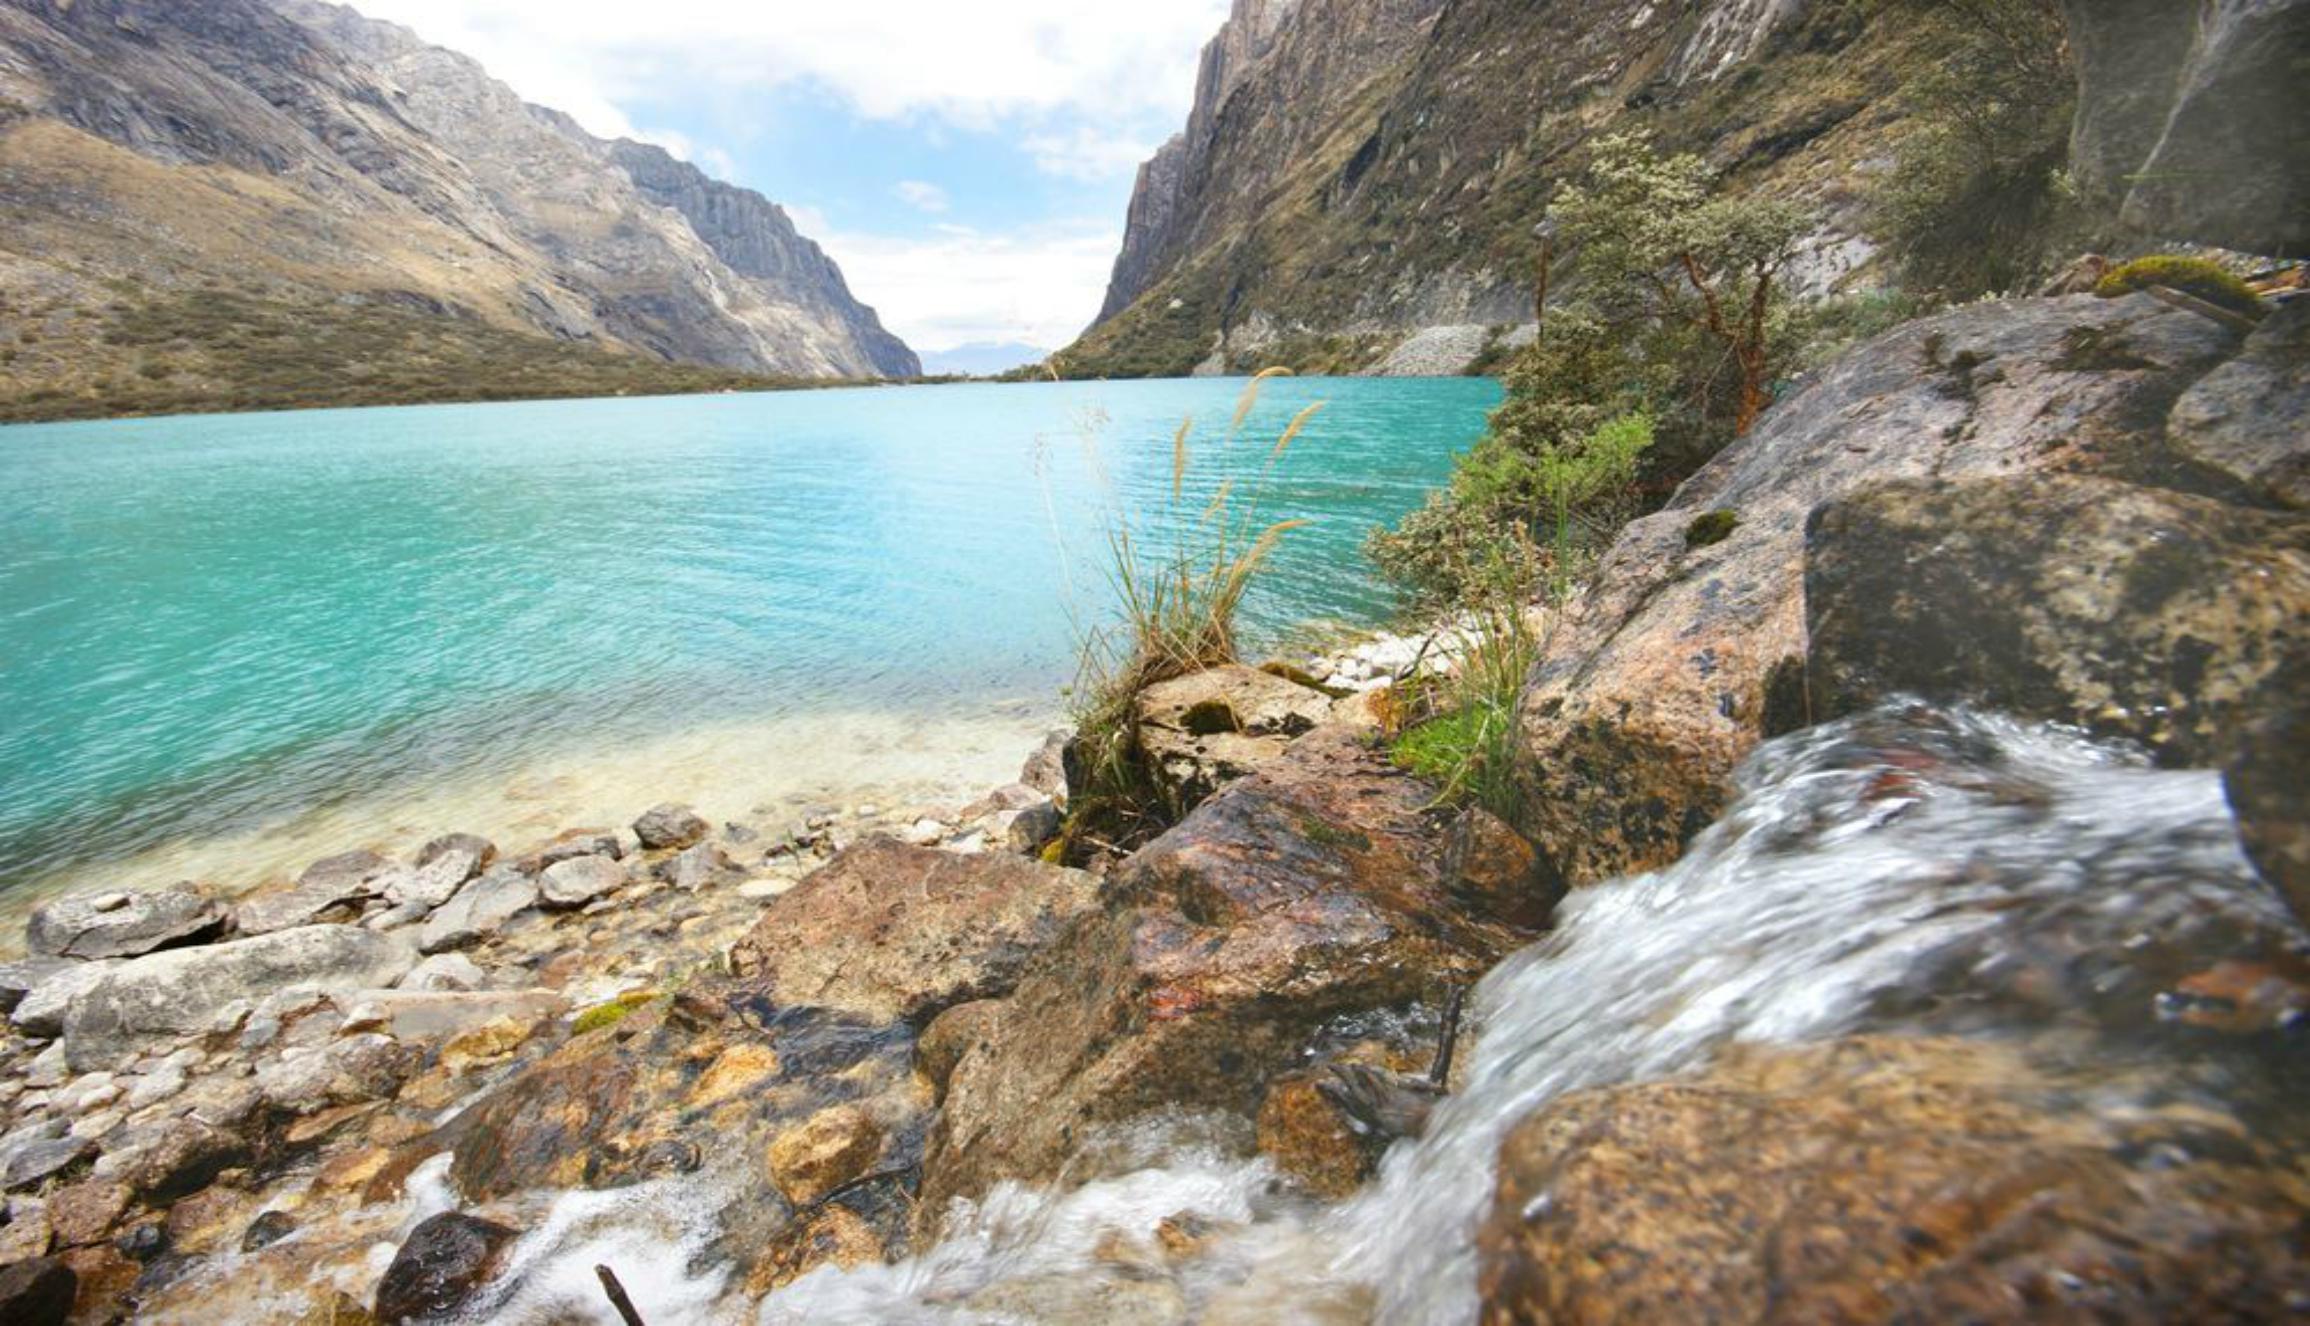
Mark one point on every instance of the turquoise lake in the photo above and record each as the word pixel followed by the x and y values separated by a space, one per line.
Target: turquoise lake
pixel 349 625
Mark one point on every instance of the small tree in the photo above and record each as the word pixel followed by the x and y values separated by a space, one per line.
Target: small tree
pixel 1658 243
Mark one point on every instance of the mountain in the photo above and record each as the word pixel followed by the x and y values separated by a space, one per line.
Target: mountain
pixel 984 358
pixel 297 154
pixel 1359 174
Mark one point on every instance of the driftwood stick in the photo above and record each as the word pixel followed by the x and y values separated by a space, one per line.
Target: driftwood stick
pixel 2191 303
pixel 1441 1073
pixel 618 1299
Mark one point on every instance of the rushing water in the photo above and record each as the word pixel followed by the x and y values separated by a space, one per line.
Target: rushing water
pixel 362 623
pixel 1889 873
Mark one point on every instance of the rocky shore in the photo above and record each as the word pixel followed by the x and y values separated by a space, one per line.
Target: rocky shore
pixel 722 1060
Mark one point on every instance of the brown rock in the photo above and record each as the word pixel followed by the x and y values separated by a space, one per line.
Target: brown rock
pixel 105 1276
pixel 1200 732
pixel 886 930
pixel 84 1213
pixel 2129 611
pixel 1888 1180
pixel 1680 659
pixel 737 1069
pixel 2268 782
pixel 830 1236
pixel 825 1152
pixel 1318 887
pixel 1311 1139
pixel 209 1220
pixel 439 1266
pixel 952 1034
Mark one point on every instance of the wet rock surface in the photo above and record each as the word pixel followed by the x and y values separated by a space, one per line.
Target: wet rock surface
pixel 670 827
pixel 2250 418
pixel 1679 659
pixel 2124 610
pixel 1317 888
pixel 436 1271
pixel 1885 1180
pixel 891 931
pixel 2268 783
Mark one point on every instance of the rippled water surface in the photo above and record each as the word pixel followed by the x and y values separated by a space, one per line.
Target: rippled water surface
pixel 220 625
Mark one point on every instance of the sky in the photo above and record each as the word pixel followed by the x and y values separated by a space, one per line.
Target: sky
pixel 967 162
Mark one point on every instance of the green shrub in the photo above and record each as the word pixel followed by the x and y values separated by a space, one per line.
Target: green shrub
pixel 2207 280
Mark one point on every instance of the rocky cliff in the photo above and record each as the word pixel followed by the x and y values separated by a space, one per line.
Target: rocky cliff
pixel 298 151
pixel 1355 170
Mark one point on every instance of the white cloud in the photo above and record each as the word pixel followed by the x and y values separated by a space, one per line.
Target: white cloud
pixel 1088 152
pixel 970 64
pixel 959 285
pixel 921 195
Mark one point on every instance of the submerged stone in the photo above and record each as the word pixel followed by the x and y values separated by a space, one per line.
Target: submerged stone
pixel 438 1267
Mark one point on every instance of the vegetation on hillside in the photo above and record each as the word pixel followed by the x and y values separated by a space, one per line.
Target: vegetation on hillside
pixel 217 349
pixel 1978 201
pixel 1668 350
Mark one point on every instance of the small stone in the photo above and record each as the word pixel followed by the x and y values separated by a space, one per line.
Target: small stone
pixel 434 882
pixel 828 1150
pixel 25 1230
pixel 83 1214
pixel 478 911
pixel 41 1011
pixel 17 979
pixel 670 826
pixel 833 1236
pixel 268 1228
pixel 445 1259
pixel 34 1161
pixel 579 880
pixel 474 845
pixel 490 1041
pixel 445 972
pixel 924 832
pixel 696 867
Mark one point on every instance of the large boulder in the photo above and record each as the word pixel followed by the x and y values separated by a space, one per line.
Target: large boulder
pixel 1687 651
pixel 1890 1180
pixel 1320 887
pixel 2250 418
pixel 124 923
pixel 2268 783
pixel 163 997
pixel 1200 732
pixel 890 931
pixel 2125 610
pixel 2190 117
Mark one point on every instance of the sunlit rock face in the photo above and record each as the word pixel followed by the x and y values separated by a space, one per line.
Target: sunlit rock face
pixel 405 172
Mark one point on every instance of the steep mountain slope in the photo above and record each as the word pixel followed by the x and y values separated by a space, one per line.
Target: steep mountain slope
pixel 298 152
pixel 1357 170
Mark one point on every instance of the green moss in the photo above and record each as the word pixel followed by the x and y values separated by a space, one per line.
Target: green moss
pixel 2192 276
pixel 1710 527
pixel 1328 835
pixel 610 1012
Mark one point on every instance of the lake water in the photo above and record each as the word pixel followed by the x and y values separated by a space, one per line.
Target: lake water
pixel 229 643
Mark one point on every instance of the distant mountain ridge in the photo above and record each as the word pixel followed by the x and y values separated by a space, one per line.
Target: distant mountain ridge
pixel 983 358
pixel 297 150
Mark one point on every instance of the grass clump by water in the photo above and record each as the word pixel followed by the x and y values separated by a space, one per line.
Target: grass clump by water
pixel 1177 586
pixel 1467 742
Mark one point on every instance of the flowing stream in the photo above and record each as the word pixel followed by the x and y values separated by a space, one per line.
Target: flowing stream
pixel 1904 871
